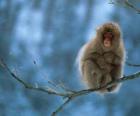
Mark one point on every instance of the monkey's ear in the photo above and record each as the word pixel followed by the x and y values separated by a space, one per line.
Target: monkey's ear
pixel 116 24
pixel 97 29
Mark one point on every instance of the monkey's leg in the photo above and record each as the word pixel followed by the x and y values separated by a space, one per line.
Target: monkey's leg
pixel 106 78
pixel 116 73
pixel 92 74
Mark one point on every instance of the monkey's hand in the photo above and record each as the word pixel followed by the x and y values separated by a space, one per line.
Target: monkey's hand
pixel 109 57
pixel 101 62
pixel 104 66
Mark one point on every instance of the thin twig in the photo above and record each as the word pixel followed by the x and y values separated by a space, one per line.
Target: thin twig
pixel 61 106
pixel 29 86
pixel 65 88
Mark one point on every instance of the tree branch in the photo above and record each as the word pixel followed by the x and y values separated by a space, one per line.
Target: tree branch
pixel 126 3
pixel 69 95
pixel 61 106
pixel 29 86
pixel 130 5
pixel 134 65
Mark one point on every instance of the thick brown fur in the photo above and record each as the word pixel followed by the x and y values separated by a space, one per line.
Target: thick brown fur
pixel 100 65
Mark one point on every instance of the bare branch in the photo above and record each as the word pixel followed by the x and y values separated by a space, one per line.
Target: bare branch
pixel 126 3
pixel 130 5
pixel 27 85
pixel 134 65
pixel 67 94
pixel 88 91
pixel 85 92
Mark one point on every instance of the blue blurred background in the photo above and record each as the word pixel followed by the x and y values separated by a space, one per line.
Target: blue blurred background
pixel 40 39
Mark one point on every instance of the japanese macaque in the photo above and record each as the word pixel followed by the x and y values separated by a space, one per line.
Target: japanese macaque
pixel 101 60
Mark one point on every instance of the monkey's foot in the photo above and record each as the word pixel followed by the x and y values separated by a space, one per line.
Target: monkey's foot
pixel 110 89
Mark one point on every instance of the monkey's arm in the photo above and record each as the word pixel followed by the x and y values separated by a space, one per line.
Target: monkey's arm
pixel 91 73
pixel 120 55
pixel 113 58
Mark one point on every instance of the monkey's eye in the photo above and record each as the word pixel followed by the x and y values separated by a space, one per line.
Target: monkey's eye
pixel 108 35
pixel 109 30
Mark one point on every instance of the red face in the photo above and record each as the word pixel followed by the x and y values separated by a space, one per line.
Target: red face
pixel 107 39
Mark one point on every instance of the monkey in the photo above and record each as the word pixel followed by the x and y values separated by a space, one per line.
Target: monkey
pixel 101 60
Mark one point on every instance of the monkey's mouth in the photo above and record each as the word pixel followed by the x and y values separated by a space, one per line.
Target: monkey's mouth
pixel 107 42
pixel 107 38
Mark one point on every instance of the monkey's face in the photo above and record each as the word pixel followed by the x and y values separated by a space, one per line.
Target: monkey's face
pixel 109 35
pixel 107 39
